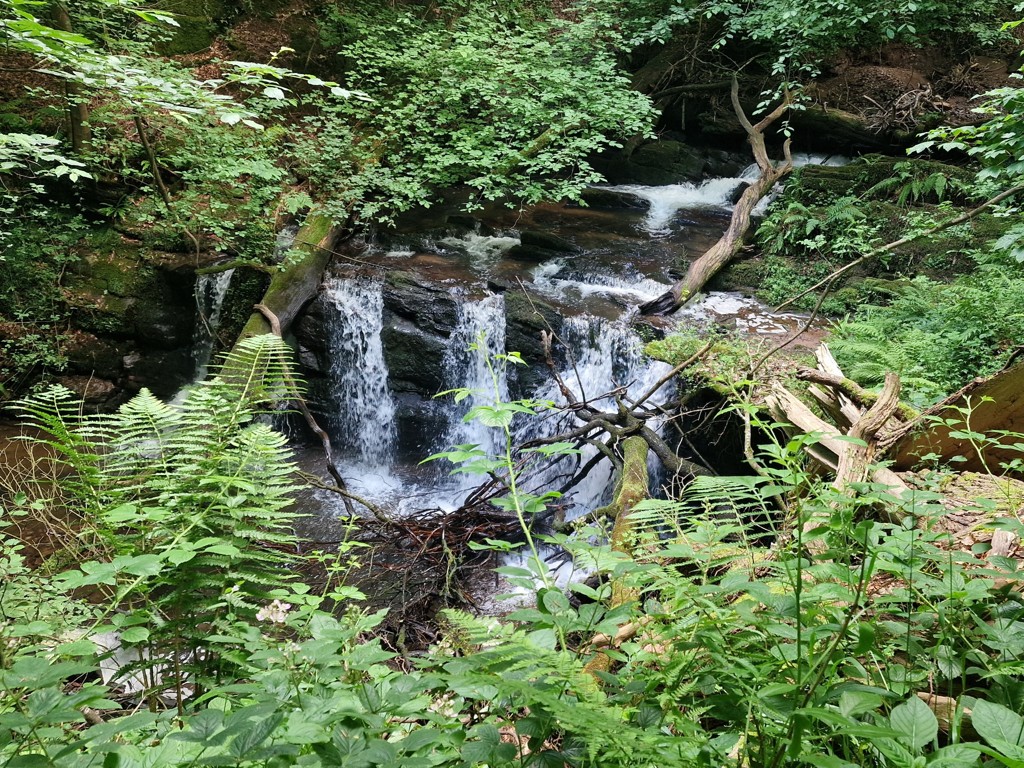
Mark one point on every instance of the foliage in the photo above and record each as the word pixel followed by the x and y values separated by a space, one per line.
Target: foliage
pixel 797 35
pixel 743 649
pixel 506 102
pixel 176 537
pixel 936 336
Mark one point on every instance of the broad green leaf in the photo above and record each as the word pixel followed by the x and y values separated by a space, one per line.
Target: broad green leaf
pixel 915 722
pixel 994 722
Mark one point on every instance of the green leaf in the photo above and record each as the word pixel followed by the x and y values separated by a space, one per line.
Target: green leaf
pixel 915 722
pixel 994 722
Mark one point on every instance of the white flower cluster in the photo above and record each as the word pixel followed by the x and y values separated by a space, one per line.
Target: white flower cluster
pixel 276 612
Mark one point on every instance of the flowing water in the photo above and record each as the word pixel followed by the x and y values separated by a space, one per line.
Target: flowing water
pixel 210 292
pixel 362 411
pixel 620 258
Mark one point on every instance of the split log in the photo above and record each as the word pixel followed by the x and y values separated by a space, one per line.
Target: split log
pixel 995 403
pixel 722 252
pixel 827 451
pixel 857 455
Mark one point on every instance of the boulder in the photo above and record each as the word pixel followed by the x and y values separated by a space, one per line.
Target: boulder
pixel 95 393
pixel 655 164
pixel 414 356
pixel 525 318
pixel 533 238
pixel 428 306
pixel 604 197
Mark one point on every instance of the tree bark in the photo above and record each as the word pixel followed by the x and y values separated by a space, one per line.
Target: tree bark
pixel 78 109
pixel 294 286
pixel 722 252
pixel 632 489
pixel 995 404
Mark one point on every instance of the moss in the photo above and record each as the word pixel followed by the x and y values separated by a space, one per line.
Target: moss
pixel 821 184
pixel 296 283
pixel 199 21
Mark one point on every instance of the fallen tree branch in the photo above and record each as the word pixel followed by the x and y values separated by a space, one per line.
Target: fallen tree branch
pixel 300 401
pixel 852 390
pixel 723 251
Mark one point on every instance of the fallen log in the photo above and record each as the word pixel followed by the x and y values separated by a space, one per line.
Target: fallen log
pixel 722 252
pixel 294 286
pixel 949 429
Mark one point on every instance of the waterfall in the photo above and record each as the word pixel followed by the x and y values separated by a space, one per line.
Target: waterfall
pixel 210 292
pixel 602 355
pixel 666 201
pixel 363 415
pixel 481 326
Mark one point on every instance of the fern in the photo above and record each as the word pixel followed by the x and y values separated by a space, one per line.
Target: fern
pixel 182 504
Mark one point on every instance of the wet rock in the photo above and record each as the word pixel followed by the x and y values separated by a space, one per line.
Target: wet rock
pixel 532 253
pixel 163 372
pixel 535 239
pixel 414 356
pixel 737 193
pixel 462 223
pixel 525 318
pixel 87 354
pixel 311 329
pixel 654 164
pixel 430 307
pixel 94 392
pixel 603 197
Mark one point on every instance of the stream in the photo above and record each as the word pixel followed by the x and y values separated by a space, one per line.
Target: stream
pixel 589 266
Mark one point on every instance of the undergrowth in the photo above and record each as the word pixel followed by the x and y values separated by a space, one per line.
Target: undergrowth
pixel 889 647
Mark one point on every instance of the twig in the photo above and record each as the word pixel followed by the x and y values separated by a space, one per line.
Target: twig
pixel 325 441
pixel 671 374
pixel 796 334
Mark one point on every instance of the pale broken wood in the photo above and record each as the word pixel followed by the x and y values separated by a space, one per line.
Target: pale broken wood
pixel 996 403
pixel 858 453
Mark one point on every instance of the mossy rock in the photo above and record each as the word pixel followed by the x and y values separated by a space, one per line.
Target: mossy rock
pixel 821 184
pixel 117 293
pixel 199 22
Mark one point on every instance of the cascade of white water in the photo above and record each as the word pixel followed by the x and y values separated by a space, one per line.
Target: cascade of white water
pixel 668 200
pixel 363 417
pixel 469 363
pixel 210 292
pixel 602 355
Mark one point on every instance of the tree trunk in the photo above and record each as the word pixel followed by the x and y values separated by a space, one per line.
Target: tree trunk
pixel 722 252
pixel 78 109
pixel 631 490
pixel 293 287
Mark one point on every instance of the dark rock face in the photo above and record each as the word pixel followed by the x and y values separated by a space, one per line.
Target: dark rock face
pixel 415 357
pixel 96 394
pixel 419 317
pixel 163 372
pixel 431 307
pixel 667 161
pixel 525 318
pixel 541 246
pixel 133 320
pixel 602 197
pixel 737 193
